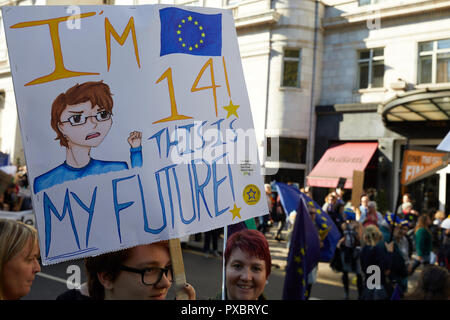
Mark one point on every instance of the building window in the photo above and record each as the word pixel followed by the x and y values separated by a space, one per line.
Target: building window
pixel 434 62
pixel 371 68
pixel 291 150
pixel 291 68
pixel 367 2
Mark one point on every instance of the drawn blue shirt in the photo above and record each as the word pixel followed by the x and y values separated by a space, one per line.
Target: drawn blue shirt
pixel 64 172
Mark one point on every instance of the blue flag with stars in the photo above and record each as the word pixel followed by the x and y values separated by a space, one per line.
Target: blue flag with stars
pixel 190 32
pixel 304 250
pixel 328 232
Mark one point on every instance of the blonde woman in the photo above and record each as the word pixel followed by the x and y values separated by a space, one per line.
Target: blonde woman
pixel 19 253
pixel 376 258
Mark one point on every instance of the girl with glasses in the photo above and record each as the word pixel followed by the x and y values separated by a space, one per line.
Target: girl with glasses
pixel 143 272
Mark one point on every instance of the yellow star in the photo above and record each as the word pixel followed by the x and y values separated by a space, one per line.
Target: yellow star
pixel 190 48
pixel 201 41
pixel 203 34
pixel 178 32
pixel 300 271
pixel 183 21
pixel 298 259
pixel 190 18
pixel 201 28
pixel 235 212
pixel 195 22
pixel 231 108
pixel 302 251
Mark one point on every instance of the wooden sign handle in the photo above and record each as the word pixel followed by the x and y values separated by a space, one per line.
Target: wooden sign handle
pixel 358 183
pixel 178 269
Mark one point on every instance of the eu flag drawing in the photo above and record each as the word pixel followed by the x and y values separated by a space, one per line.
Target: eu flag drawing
pixel 190 32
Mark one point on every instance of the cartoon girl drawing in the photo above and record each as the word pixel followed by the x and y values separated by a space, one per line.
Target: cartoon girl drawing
pixel 81 118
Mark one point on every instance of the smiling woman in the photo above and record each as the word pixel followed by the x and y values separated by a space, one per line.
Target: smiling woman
pixel 19 253
pixel 247 265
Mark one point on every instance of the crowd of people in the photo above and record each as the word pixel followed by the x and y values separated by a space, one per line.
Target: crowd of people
pixel 395 244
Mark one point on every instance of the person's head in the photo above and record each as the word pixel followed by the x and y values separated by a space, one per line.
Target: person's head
pixel 248 264
pixel 372 207
pixel 331 198
pixel 268 188
pixel 372 235
pixel 423 221
pixel 440 215
pixel 143 272
pixel 407 207
pixel 19 254
pixel 433 284
pixel 406 198
pixel 364 200
pixel 82 115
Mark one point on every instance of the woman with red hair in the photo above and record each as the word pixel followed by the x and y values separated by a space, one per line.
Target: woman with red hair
pixel 247 265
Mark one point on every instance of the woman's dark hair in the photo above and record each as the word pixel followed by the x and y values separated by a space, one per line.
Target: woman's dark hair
pixel 433 284
pixel 110 264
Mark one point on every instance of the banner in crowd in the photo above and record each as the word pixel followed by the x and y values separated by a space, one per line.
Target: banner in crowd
pixel 136 124
pixel 419 164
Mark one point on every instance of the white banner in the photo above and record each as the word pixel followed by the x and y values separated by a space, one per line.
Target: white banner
pixel 136 124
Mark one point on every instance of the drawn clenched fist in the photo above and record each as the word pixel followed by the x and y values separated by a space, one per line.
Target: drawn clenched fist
pixel 135 139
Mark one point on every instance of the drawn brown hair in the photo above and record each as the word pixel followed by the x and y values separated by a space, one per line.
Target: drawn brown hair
pixel 97 92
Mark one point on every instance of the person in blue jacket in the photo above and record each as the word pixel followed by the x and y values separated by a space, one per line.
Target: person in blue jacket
pixel 82 118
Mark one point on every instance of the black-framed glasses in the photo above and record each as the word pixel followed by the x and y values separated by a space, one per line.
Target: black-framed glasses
pixel 80 119
pixel 152 275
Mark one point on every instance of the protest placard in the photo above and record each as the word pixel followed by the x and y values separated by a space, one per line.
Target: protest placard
pixel 135 123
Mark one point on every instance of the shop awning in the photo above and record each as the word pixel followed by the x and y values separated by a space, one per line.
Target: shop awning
pixel 339 161
pixel 421 113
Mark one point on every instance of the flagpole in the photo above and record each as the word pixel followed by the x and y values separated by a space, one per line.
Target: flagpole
pixel 225 236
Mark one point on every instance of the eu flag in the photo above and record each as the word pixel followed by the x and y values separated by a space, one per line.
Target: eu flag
pixel 328 231
pixel 303 255
pixel 304 250
pixel 190 32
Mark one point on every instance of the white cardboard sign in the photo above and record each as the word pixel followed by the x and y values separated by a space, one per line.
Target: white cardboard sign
pixel 135 122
